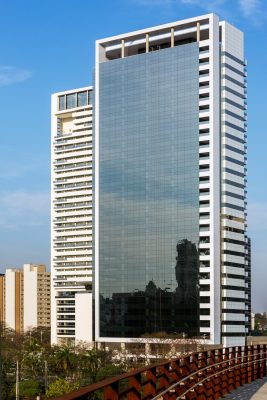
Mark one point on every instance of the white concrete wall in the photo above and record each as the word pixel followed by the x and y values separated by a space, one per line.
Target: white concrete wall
pixel 53 291
pixel 30 286
pixel 233 40
pixel 83 317
pixel 232 44
pixel 215 180
pixel 10 298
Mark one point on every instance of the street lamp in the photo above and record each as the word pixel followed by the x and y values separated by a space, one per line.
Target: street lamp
pixel 17 380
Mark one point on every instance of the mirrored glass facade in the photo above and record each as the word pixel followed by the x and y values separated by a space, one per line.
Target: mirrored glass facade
pixel 149 193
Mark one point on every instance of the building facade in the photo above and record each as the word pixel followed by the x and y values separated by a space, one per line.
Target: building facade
pixel 170 183
pixel 2 298
pixel 36 296
pixel 26 297
pixel 250 323
pixel 71 208
pixel 14 299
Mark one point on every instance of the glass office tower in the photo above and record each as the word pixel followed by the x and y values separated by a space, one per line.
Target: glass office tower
pixel 148 201
pixel 170 183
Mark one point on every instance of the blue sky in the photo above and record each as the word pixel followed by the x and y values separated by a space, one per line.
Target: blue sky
pixel 48 46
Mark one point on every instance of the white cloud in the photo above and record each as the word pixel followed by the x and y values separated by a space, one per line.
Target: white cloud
pixel 229 9
pixel 253 10
pixel 13 170
pixel 22 201
pixel 215 6
pixel 204 3
pixel 249 7
pixel 153 2
pixel 23 209
pixel 10 75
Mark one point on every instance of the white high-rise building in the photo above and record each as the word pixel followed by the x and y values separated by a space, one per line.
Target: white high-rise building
pixel 170 188
pixel 2 299
pixel 71 259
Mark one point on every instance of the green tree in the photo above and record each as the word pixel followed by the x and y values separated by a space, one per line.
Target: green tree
pixel 91 362
pixel 64 358
pixel 108 371
pixel 28 389
pixel 39 361
pixel 60 387
pixel 95 364
pixel 32 363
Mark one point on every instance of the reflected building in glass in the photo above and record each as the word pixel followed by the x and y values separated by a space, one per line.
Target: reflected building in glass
pixel 170 208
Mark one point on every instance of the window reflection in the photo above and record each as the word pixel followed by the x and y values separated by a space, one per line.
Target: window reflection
pixel 71 100
pixel 82 99
pixel 149 199
pixel 61 103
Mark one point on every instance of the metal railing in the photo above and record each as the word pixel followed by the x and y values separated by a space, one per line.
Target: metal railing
pixel 200 376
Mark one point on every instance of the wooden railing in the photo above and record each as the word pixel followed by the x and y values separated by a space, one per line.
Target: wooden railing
pixel 205 375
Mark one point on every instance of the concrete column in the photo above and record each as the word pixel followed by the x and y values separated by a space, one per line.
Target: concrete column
pixel 198 31
pixel 122 48
pixel 147 42
pixel 147 353
pixel 172 37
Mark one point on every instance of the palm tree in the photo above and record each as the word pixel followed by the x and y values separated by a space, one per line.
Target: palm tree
pixel 65 359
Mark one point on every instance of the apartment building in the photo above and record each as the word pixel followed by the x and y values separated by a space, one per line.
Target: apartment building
pixel 25 297
pixel 71 208
pixel 170 183
pixel 36 296
pixel 14 299
pixel 2 298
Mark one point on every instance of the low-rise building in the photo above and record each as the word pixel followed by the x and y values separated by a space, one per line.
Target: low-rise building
pixel 36 289
pixel 25 297
pixel 2 298
pixel 14 299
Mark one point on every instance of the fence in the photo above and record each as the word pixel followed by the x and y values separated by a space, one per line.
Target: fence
pixel 205 375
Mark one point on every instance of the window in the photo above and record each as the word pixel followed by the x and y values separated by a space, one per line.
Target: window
pixel 71 100
pixel 61 103
pixel 82 99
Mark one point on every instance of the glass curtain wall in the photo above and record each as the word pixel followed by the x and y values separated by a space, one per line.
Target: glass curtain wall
pixel 149 193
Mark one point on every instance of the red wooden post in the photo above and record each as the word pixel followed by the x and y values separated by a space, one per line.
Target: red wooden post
pixel 239 362
pixel 135 388
pixel 111 392
pixel 245 362
pixel 264 355
pixel 165 377
pixel 253 363
pixel 250 365
pixel 258 362
pixel 150 386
